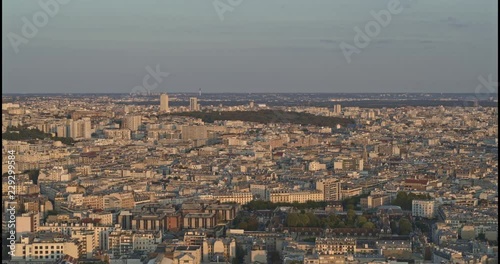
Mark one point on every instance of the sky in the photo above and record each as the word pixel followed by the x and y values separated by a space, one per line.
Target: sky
pixel 95 46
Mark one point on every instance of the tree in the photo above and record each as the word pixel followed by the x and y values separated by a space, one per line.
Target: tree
pixel 52 212
pixel 33 175
pixel 333 217
pixel 270 116
pixel 243 225
pixel 368 225
pixel 351 216
pixel 404 200
pixel 253 224
pixel 313 220
pixel 24 133
pixel 361 220
pixel 394 227
pixel 303 220
pixel 405 227
pixel 292 219
pixel 422 226
pixel 274 257
pixel 240 255
pixel 310 239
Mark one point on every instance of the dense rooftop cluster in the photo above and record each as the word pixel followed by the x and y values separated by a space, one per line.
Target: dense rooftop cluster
pixel 100 180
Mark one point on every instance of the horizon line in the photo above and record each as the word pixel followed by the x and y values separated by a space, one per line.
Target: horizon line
pixel 249 93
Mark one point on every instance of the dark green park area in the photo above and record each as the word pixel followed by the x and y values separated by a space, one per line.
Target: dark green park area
pixel 269 116
pixel 28 134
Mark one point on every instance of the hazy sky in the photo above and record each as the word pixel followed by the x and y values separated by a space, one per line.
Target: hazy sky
pixel 261 46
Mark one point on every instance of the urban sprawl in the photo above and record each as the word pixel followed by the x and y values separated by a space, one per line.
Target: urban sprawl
pixel 99 179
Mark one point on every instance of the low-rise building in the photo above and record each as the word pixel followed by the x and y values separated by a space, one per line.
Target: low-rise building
pixel 46 247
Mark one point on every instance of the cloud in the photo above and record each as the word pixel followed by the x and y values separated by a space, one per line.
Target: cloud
pixel 327 41
pixel 454 22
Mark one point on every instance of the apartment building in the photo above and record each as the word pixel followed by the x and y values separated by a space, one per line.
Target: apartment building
pixel 27 223
pixel 316 166
pixel 300 197
pixel 123 134
pixel 374 201
pixel 46 247
pixel 106 218
pixel 416 185
pixel 194 132
pixel 260 191
pixel 120 242
pixel 77 231
pixel 132 122
pixel 88 241
pixel 331 189
pixel 424 208
pixel 335 246
pixel 348 164
pixel 148 221
pixel 164 103
pixel 173 222
pixel 199 220
pixel 193 104
pixel 146 240
pixel 79 129
pixel 235 197
pixel 223 212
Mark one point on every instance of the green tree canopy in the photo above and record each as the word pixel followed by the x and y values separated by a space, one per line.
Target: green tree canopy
pixel 303 220
pixel 369 225
pixel 361 220
pixel 292 219
pixel 351 216
pixel 405 227
pixel 404 199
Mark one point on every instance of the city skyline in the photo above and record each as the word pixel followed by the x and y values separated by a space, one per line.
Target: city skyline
pixel 250 131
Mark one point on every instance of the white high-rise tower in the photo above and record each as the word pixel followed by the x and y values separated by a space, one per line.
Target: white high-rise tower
pixel 193 104
pixel 164 103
